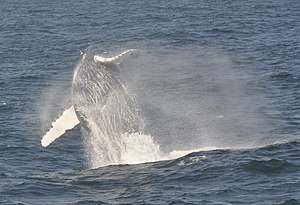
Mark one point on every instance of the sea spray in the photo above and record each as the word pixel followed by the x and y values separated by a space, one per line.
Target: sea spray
pixel 112 127
pixel 182 120
pixel 128 149
pixel 107 112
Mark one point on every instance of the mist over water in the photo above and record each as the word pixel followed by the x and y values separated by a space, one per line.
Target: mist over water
pixel 182 100
pixel 195 98
pixel 55 98
pixel 112 126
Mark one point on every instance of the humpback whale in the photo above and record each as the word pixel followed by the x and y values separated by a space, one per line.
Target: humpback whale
pixel 100 104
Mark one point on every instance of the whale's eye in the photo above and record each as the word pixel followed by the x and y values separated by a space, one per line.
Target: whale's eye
pixel 83 55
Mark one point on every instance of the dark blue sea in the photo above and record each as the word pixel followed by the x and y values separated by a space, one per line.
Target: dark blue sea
pixel 217 84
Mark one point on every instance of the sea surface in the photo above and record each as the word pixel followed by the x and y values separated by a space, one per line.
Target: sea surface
pixel 216 84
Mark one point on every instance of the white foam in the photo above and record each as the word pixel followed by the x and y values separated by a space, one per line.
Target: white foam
pixel 139 148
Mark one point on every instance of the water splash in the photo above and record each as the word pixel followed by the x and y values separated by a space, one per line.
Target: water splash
pixel 111 126
pixel 181 117
pixel 128 149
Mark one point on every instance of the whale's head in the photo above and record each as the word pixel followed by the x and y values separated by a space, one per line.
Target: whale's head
pixel 88 54
pixel 94 59
pixel 96 76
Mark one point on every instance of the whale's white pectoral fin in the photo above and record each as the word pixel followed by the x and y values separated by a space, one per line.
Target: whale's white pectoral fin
pixel 102 59
pixel 65 122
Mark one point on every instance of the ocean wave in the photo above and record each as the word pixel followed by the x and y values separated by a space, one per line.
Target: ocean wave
pixel 290 202
pixel 282 76
pixel 29 77
pixel 272 166
pixel 88 202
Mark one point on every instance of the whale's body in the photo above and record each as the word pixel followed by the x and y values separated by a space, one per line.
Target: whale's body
pixel 97 92
pixel 101 105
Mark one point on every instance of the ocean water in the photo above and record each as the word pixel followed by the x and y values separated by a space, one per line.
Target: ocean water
pixel 216 85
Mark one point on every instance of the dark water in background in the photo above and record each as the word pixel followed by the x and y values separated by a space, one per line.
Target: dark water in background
pixel 208 74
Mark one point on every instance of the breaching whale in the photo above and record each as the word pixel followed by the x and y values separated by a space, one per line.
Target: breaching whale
pixel 100 103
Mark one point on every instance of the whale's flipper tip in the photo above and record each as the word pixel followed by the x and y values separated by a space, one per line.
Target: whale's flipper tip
pixel 65 122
